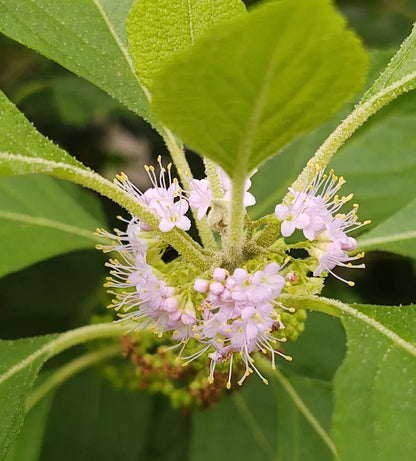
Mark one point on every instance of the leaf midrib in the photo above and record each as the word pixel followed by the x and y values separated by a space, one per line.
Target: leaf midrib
pixel 120 44
pixel 45 222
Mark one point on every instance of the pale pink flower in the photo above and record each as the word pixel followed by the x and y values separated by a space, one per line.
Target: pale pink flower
pixel 200 196
pixel 173 215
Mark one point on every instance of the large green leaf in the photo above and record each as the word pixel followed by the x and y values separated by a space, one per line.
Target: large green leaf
pixel 376 386
pixel 265 423
pixel 248 88
pixel 85 36
pixel 304 418
pixel 396 234
pixel 19 140
pixel 159 29
pixel 20 362
pixel 40 218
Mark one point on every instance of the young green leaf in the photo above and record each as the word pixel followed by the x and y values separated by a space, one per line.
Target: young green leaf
pixel 20 362
pixel 42 210
pixel 396 234
pixel 248 88
pixel 400 75
pixel 159 29
pixel 87 37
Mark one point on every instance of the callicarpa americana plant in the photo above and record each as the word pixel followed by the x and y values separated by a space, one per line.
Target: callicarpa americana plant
pixel 214 264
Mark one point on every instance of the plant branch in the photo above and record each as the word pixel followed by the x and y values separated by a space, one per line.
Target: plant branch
pixel 66 341
pixel 182 242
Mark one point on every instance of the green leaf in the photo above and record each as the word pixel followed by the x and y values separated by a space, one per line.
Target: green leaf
pixel 18 138
pixel 304 410
pixel 85 36
pixel 400 75
pixel 247 89
pixel 20 362
pixel 265 423
pixel 40 218
pixel 376 386
pixel 28 444
pixel 159 29
pixel 23 150
pixel 16 383
pixel 320 362
pixel 168 432
pixel 396 234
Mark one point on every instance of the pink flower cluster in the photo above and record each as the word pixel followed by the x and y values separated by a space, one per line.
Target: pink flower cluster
pixel 152 303
pixel 238 315
pixel 315 212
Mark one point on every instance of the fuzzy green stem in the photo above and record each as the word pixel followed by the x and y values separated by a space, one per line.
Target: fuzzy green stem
pixel 177 153
pixel 234 239
pixel 337 138
pixel 70 369
pixel 66 341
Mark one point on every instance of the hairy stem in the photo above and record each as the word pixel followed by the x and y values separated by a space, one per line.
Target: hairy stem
pixel 182 242
pixel 66 341
pixel 234 239
pixel 213 178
